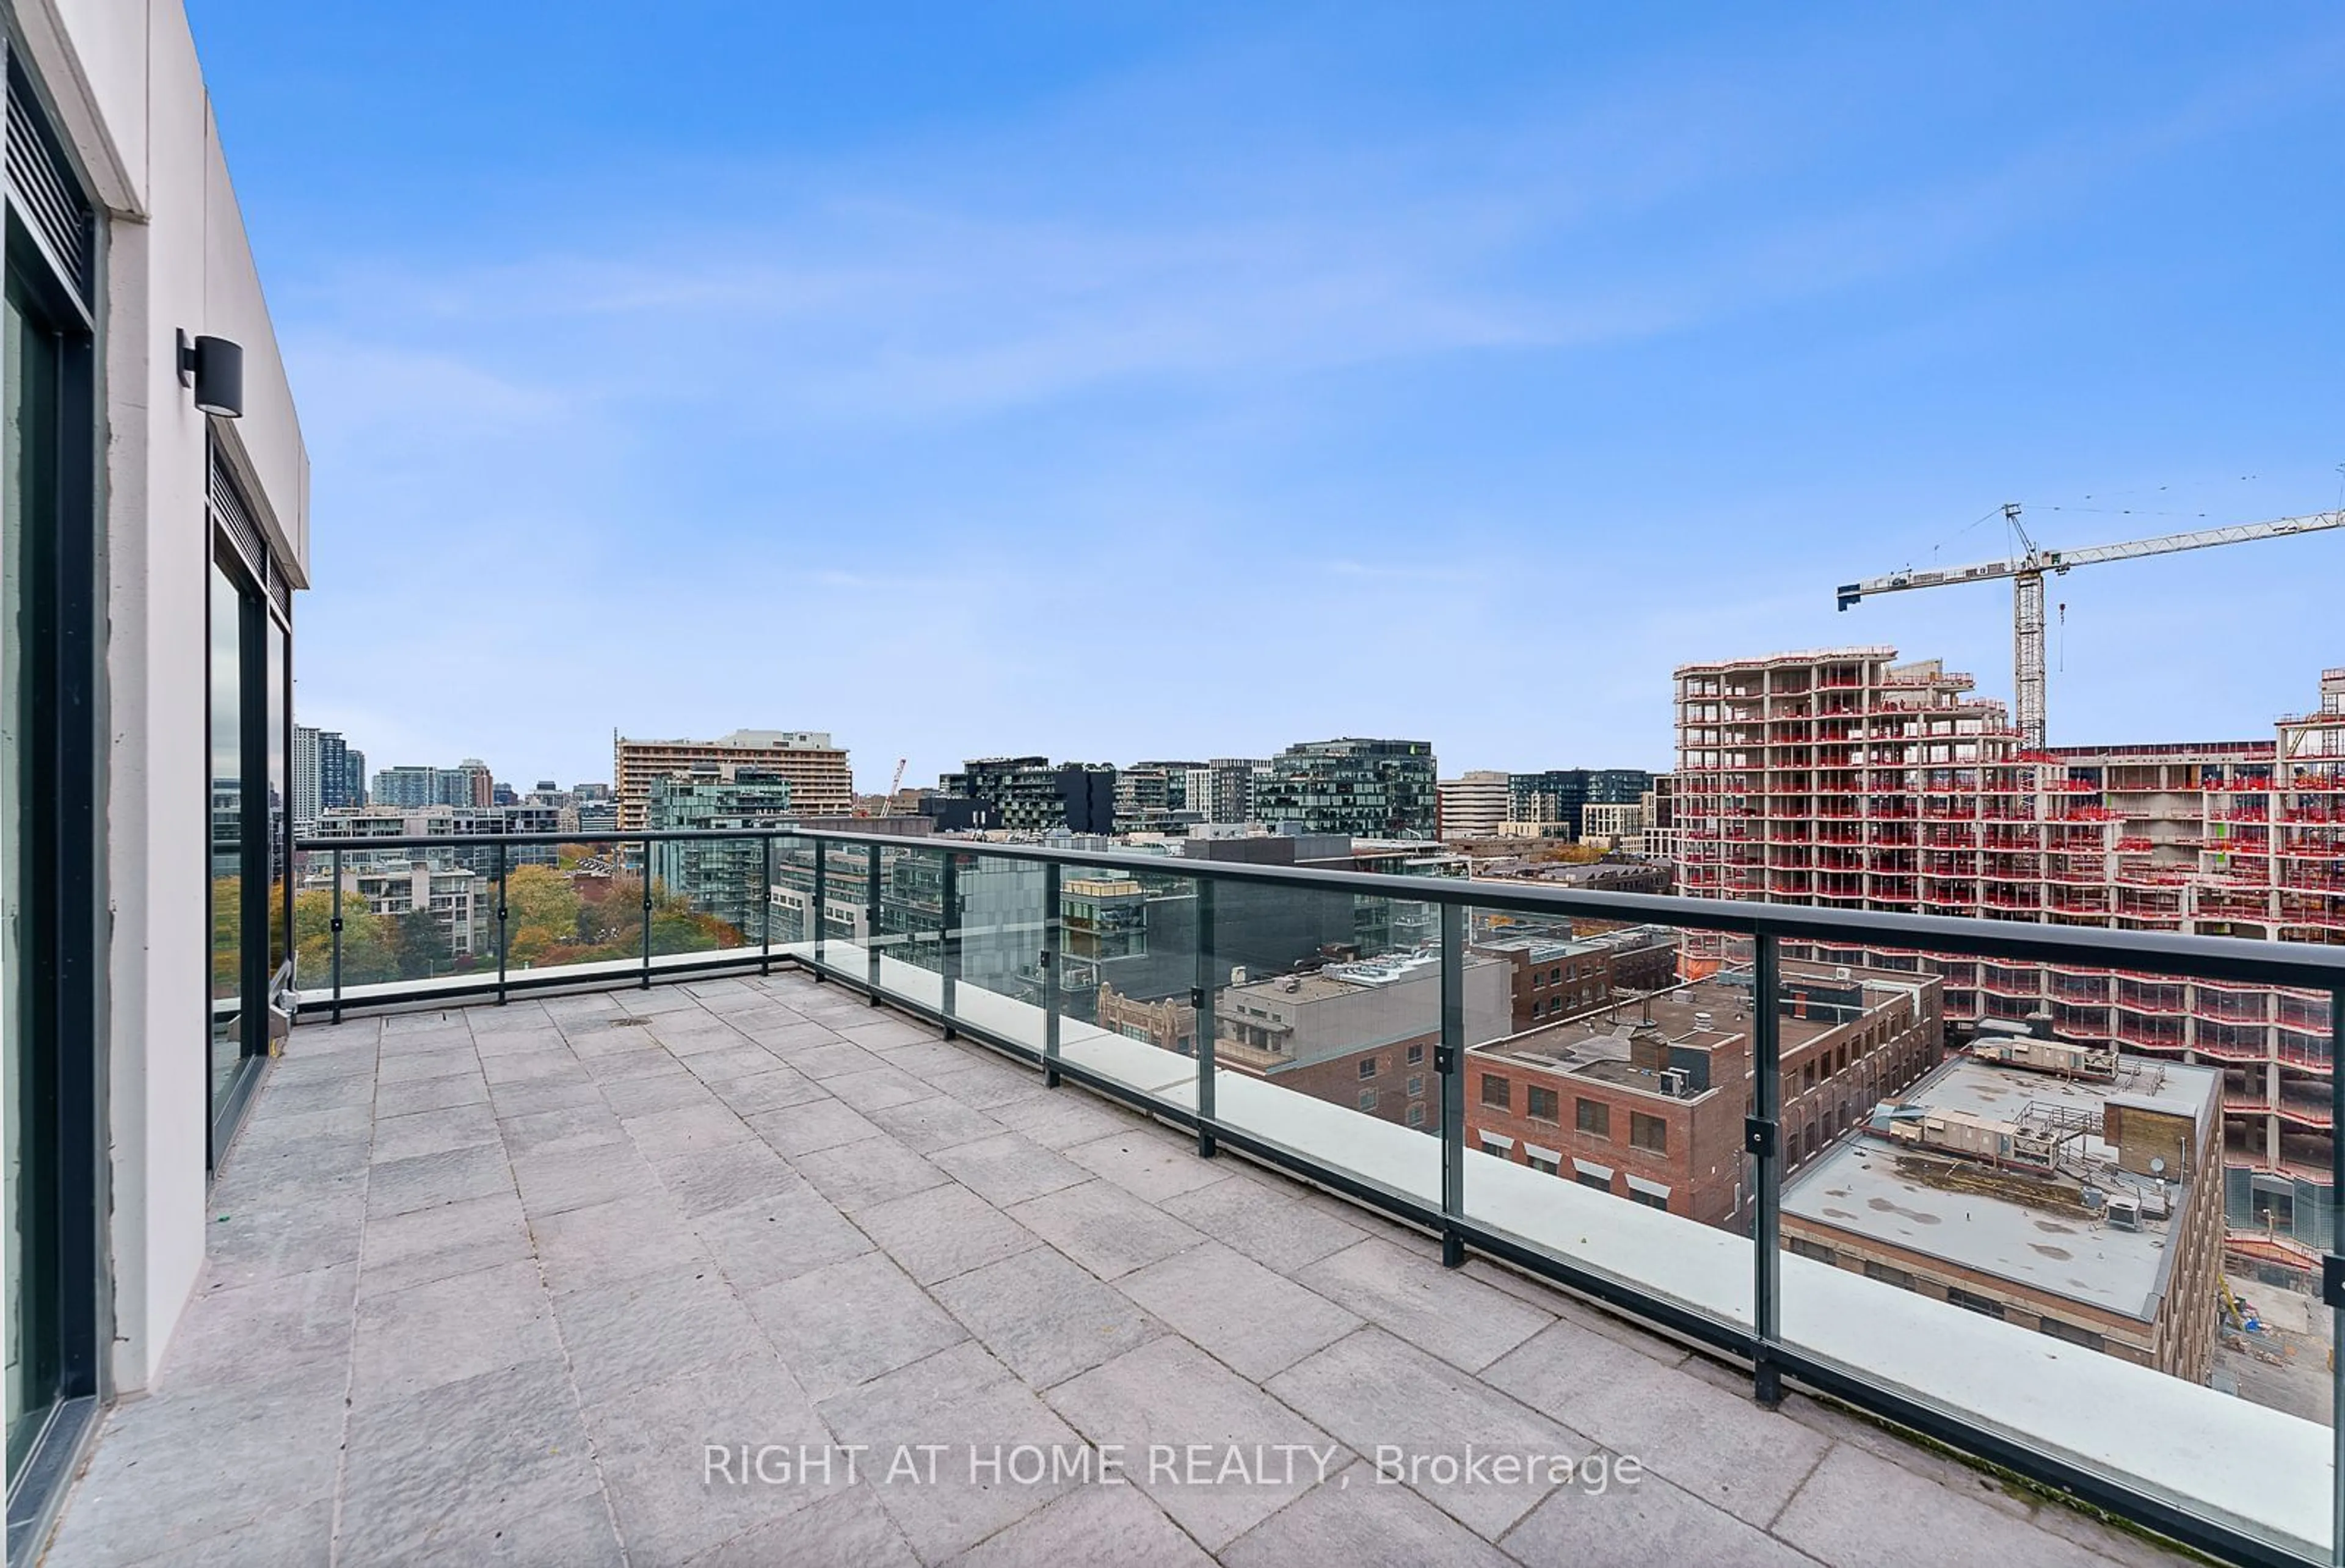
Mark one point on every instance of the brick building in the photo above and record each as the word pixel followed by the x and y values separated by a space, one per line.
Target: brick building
pixel 1646 1100
pixel 2085 1203
pixel 1551 978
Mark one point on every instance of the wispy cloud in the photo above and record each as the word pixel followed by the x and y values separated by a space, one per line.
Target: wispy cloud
pixel 1113 428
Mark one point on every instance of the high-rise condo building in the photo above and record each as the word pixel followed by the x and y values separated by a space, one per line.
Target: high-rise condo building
pixel 821 783
pixel 1369 788
pixel 723 877
pixel 1032 795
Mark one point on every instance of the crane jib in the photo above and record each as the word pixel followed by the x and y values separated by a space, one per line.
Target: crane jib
pixel 2027 574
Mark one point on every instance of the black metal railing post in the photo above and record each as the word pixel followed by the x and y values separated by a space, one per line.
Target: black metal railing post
pixel 646 982
pixel 1449 1061
pixel 820 914
pixel 949 918
pixel 1763 1137
pixel 871 927
pixel 336 927
pixel 765 913
pixel 1051 975
pixel 501 925
pixel 1203 1030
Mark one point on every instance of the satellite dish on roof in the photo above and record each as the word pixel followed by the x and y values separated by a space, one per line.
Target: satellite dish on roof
pixel 2157 1165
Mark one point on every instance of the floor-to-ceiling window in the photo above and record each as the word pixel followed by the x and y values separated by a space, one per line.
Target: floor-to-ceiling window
pixel 52 891
pixel 32 396
pixel 231 610
pixel 251 861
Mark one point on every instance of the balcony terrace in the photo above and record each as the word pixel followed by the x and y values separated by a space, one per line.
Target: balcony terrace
pixel 486 1282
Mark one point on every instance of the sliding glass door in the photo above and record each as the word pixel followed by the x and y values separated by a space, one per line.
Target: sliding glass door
pixel 50 881
pixel 250 963
pixel 33 398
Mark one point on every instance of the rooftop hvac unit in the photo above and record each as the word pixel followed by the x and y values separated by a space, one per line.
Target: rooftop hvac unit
pixel 1676 1083
pixel 2125 1213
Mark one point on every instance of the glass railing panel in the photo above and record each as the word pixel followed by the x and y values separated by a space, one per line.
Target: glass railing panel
pixel 1327 1016
pixel 708 895
pixel 1606 1080
pixel 1126 969
pixel 908 922
pixel 790 901
pixel 575 906
pixel 412 920
pixel 2085 1212
pixel 994 947
pixel 313 917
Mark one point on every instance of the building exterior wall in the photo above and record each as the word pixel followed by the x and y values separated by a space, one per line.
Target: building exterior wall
pixel 1235 782
pixel 722 877
pixel 1032 795
pixel 126 93
pixel 820 781
pixel 2177 1339
pixel 1833 1076
pixel 1696 1171
pixel 1472 806
pixel 1369 788
pixel 1393 1081
pixel 1551 979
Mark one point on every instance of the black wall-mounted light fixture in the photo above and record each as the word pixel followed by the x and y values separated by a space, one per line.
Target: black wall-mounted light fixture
pixel 214 367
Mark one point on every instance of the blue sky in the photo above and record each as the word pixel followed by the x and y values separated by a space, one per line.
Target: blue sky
pixel 1119 381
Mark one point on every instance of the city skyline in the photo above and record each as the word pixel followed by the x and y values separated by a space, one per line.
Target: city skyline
pixel 1408 342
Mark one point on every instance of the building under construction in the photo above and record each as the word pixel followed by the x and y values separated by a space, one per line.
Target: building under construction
pixel 1844 779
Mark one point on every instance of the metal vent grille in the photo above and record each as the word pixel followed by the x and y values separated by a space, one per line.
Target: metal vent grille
pixel 43 185
pixel 234 519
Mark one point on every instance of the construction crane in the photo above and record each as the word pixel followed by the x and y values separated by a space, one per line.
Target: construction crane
pixel 2026 571
pixel 896 783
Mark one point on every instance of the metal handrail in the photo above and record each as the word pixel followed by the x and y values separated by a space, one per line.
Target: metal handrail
pixel 2263 963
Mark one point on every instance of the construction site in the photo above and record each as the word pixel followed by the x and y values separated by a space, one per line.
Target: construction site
pixel 1847 778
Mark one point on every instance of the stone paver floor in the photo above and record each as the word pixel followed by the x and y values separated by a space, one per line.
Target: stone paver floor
pixel 608 1279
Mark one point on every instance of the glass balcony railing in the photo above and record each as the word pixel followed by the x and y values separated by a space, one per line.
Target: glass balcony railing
pixel 1857 1152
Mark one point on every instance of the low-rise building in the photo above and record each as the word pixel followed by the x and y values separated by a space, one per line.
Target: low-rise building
pixel 451 895
pixel 1646 1100
pixel 1552 977
pixel 358 824
pixel 1359 1035
pixel 1639 958
pixel 2061 1187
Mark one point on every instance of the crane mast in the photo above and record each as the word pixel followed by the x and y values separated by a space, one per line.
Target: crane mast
pixel 2026 571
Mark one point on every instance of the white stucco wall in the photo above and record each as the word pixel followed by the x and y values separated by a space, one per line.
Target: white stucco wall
pixel 130 98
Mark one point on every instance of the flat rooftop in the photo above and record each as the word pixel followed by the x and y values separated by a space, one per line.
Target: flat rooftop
pixel 1702 1015
pixel 1869 1187
pixel 488 1284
